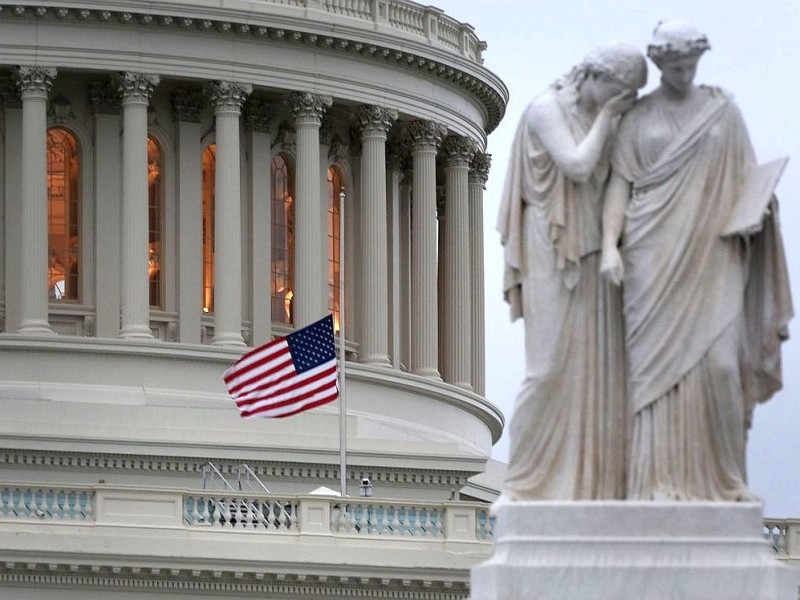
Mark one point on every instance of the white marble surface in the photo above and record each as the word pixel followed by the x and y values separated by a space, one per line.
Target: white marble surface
pixel 616 550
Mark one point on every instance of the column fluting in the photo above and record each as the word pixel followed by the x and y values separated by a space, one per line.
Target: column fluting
pixel 310 293
pixel 136 90
pixel 457 151
pixel 424 137
pixel 478 174
pixel 374 123
pixel 228 98
pixel 34 84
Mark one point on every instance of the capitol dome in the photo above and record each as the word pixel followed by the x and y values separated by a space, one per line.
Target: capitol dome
pixel 170 196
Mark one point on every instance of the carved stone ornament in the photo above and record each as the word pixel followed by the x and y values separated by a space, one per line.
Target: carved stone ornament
pixel 89 326
pixel 187 105
pixel 396 157
pixel 34 81
pixel 458 150
pixel 60 108
pixel 308 106
pixel 325 128
pixel 257 115
pixel 104 98
pixel 136 86
pixel 338 149
pixel 425 133
pixel 10 93
pixel 228 95
pixel 372 119
pixel 479 167
pixel 286 140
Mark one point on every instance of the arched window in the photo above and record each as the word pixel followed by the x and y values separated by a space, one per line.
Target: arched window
pixel 63 215
pixel 282 240
pixel 155 190
pixel 334 266
pixel 209 168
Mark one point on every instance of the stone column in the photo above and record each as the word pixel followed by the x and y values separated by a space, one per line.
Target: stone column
pixel 405 262
pixel 457 367
pixel 12 193
pixel 478 174
pixel 136 89
pixel 394 175
pixel 34 84
pixel 228 98
pixel 105 100
pixel 424 138
pixel 187 110
pixel 258 115
pixel 374 123
pixel 310 293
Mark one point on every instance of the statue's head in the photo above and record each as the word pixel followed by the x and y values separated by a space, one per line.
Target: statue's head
pixel 620 62
pixel 675 40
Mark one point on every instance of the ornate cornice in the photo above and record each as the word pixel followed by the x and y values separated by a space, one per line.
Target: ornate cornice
pixel 184 465
pixel 484 86
pixel 187 105
pixel 479 167
pixel 105 98
pixel 425 133
pixel 137 87
pixel 309 107
pixel 34 81
pixel 457 150
pixel 375 120
pixel 228 96
pixel 134 577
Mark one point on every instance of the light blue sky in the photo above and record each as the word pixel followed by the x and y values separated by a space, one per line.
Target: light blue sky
pixel 755 56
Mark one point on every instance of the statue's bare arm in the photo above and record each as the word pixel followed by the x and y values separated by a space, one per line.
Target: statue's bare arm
pixel 616 200
pixel 576 160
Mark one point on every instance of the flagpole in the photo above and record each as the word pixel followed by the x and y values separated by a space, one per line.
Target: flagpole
pixel 342 361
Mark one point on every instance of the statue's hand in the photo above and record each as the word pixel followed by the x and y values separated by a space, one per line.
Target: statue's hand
pixel 621 103
pixel 611 266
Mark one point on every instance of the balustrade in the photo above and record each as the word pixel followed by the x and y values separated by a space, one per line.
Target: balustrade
pixel 45 503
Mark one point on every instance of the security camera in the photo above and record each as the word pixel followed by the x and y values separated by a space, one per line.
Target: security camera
pixel 365 481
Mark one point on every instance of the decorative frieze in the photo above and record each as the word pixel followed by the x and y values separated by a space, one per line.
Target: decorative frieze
pixel 308 106
pixel 258 115
pixel 425 133
pixel 34 81
pixel 479 168
pixel 228 96
pixel 187 105
pixel 137 87
pixel 375 120
pixel 458 150
pixel 104 96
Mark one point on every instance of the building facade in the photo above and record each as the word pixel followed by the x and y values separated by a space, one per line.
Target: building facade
pixel 174 176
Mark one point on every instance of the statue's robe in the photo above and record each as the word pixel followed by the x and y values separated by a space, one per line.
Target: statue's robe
pixel 568 431
pixel 704 312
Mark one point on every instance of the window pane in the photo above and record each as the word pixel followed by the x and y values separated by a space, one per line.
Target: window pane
pixel 282 240
pixel 63 215
pixel 209 167
pixel 156 206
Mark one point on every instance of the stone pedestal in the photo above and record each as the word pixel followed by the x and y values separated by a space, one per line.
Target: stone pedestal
pixel 618 550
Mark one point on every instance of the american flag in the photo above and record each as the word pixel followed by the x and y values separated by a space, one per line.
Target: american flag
pixel 288 375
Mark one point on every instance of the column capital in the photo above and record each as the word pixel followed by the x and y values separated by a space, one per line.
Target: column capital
pixel 258 115
pixel 425 133
pixel 375 120
pixel 187 105
pixel 104 97
pixel 458 150
pixel 136 87
pixel 479 168
pixel 34 81
pixel 228 96
pixel 309 107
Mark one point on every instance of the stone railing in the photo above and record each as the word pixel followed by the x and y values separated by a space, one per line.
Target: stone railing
pixel 784 535
pixel 403 16
pixel 264 513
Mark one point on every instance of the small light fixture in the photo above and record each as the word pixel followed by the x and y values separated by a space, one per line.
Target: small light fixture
pixel 365 489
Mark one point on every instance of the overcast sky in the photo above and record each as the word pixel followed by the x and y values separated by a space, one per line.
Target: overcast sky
pixel 755 56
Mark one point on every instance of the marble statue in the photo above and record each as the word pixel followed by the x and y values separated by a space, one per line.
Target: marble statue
pixel 705 308
pixel 568 431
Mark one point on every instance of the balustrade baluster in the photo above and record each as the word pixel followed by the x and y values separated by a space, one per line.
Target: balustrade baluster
pixel 224 512
pixel 72 505
pixel 206 511
pixel 283 519
pixel 293 516
pixel 385 520
pixel 397 528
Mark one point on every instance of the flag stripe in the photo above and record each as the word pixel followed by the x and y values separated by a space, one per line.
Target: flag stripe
pixel 288 375
pixel 289 385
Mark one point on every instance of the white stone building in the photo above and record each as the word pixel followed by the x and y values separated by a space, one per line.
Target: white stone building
pixel 169 195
